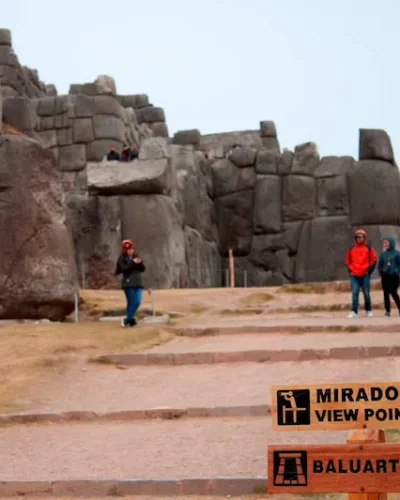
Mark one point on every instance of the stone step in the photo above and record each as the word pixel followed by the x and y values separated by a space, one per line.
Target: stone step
pixel 110 389
pixel 213 488
pixel 156 450
pixel 294 321
pixel 254 356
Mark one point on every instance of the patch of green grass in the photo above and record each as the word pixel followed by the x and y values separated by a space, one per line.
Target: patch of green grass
pixel 303 288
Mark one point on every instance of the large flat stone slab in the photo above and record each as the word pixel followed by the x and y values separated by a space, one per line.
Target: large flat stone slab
pixel 124 178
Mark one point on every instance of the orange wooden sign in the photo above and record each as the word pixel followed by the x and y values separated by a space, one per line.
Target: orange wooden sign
pixel 347 468
pixel 336 406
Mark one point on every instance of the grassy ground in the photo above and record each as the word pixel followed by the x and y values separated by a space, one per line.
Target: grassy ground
pixel 32 351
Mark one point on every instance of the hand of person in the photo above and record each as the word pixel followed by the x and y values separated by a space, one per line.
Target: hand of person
pixel 137 260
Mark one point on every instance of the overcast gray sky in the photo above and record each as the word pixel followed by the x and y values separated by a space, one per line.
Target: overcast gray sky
pixel 320 69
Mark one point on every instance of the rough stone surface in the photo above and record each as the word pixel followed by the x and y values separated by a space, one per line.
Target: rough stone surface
pixel 267 129
pixel 5 37
pixel 107 105
pixel 150 114
pixel 108 127
pixel 242 157
pixel 64 137
pixel 203 261
pixel 267 161
pixel 96 226
pixel 124 178
pixel 331 166
pixel 153 222
pixel 375 145
pixel 332 196
pixel 37 271
pixel 323 245
pixel 20 113
pixel 306 159
pixel 228 178
pixel 298 198
pixel 84 106
pixel 285 162
pixel 83 130
pixel 153 148
pixel 267 204
pixel 72 157
pixel 105 85
pixel 374 188
pixel 270 143
pixel 160 129
pixel 234 221
pixel 48 138
pixel 186 137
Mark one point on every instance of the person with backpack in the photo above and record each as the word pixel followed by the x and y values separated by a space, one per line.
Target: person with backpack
pixel 361 262
pixel 389 270
pixel 131 266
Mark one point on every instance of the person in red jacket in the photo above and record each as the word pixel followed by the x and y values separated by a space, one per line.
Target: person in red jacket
pixel 361 262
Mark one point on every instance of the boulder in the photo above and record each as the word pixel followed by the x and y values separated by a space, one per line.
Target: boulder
pixel 1 112
pixel 267 161
pixel 182 157
pixel 160 129
pixel 107 105
pixel 298 198
pixel 306 159
pixel 203 262
pixel 135 101
pixel 291 236
pixel 37 269
pixel 153 148
pixel 235 222
pixel 48 138
pixel 267 129
pixel 227 178
pixel 105 85
pixel 186 137
pixel 7 56
pixel 73 157
pixel 65 138
pixel 322 250
pixel 96 227
pixel 242 157
pixel 332 196
pixel 109 127
pixel 374 188
pixel 51 89
pixel 154 224
pixel 20 113
pixel 285 162
pixel 150 114
pixel 267 204
pixel 375 145
pixel 331 166
pixel 84 106
pixel 5 37
pixel 270 143
pixel 83 131
pixel 124 178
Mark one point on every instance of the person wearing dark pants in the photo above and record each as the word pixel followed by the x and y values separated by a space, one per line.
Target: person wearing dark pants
pixel 389 269
pixel 131 266
pixel 361 262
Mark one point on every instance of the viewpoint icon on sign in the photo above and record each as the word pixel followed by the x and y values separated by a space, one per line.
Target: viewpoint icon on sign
pixel 293 407
pixel 290 468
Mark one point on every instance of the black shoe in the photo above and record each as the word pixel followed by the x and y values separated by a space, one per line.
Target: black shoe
pixel 387 313
pixel 132 322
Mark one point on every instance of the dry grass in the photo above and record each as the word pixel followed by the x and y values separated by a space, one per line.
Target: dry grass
pixel 31 351
pixel 256 299
pixel 240 312
pixel 321 288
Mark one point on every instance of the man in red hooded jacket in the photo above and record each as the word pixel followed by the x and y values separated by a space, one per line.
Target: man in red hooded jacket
pixel 361 262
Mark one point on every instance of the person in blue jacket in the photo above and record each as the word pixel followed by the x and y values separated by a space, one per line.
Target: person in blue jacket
pixel 389 269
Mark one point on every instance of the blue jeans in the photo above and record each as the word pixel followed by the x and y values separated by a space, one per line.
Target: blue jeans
pixel 362 282
pixel 133 301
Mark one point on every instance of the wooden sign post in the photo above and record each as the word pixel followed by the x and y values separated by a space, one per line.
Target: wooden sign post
pixel 231 269
pixel 366 467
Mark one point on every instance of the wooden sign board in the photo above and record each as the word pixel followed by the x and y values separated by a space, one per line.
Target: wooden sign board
pixel 336 406
pixel 347 468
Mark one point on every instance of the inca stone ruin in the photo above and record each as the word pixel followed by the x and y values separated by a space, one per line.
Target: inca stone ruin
pixel 287 215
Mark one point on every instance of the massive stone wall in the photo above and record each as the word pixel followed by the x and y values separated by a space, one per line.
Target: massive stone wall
pixel 287 215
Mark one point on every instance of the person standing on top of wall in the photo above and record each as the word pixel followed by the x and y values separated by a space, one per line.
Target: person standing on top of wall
pixel 131 266
pixel 361 262
pixel 389 270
